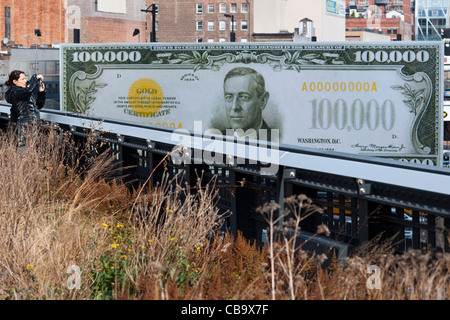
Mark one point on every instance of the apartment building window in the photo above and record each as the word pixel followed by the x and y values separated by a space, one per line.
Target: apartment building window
pixel 210 40
pixel 435 13
pixel 244 25
pixel 199 8
pixel 199 40
pixel 222 7
pixel 222 25
pixel 210 25
pixel 222 40
pixel 233 7
pixel 199 25
pixel 211 8
pixel 8 22
pixel 244 40
pixel 244 7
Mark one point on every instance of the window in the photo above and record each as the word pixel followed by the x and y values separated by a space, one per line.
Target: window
pixel 244 7
pixel 222 7
pixel 222 25
pixel 199 8
pixel 199 25
pixel 199 40
pixel 222 40
pixel 233 8
pixel 244 40
pixel 244 25
pixel 211 8
pixel 8 22
pixel 210 40
pixel 210 25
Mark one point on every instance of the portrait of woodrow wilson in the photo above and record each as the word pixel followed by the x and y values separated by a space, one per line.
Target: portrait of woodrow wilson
pixel 245 98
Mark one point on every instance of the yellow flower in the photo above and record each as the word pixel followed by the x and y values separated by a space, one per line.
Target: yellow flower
pixel 115 245
pixel 150 240
pixel 199 249
pixel 123 256
pixel 170 210
pixel 171 239
pixel 30 267
pixel 119 225
pixel 105 225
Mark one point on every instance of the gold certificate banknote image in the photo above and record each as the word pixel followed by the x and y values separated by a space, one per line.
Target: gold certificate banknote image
pixel 381 99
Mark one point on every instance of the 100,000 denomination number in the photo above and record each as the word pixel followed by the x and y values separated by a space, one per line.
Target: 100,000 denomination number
pixel 108 56
pixel 393 56
pixel 358 116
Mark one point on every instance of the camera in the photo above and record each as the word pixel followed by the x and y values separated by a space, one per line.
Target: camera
pixel 38 81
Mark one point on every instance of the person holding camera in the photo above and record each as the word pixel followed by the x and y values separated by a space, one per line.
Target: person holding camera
pixel 26 98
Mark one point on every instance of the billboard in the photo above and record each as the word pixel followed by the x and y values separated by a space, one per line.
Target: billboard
pixel 381 99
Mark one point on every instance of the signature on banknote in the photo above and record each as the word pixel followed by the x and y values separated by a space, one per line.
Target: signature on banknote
pixel 377 148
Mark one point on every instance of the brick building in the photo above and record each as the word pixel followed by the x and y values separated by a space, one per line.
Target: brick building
pixel 62 21
pixel 103 21
pixel 388 17
pixel 19 19
pixel 203 20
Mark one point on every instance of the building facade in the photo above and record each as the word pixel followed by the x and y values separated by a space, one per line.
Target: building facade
pixel 66 21
pixel 284 17
pixel 203 20
pixel 103 21
pixel 19 19
pixel 249 20
pixel 388 17
pixel 430 17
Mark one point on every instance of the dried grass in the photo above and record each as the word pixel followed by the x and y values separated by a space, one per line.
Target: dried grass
pixel 61 208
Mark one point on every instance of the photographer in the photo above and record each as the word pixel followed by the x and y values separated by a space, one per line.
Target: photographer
pixel 26 98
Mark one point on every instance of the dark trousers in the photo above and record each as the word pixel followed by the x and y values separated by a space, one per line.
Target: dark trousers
pixel 26 128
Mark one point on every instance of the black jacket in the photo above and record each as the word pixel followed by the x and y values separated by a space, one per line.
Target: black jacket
pixel 25 102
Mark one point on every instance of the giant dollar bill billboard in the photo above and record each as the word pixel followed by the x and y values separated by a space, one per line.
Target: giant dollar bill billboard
pixel 382 99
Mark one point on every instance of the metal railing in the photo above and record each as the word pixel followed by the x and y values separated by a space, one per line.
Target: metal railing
pixel 362 197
